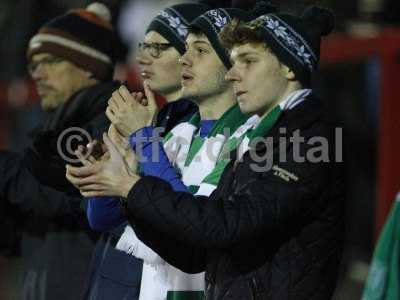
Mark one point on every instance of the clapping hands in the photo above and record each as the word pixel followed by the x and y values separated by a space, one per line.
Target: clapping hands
pixel 130 112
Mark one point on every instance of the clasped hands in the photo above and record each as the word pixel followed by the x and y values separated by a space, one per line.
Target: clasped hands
pixel 114 171
pixel 130 112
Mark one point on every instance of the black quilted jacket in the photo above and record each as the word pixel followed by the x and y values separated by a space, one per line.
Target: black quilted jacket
pixel 266 233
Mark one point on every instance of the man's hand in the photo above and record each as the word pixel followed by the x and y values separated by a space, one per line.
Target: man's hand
pixel 97 151
pixel 130 112
pixel 108 177
pixel 94 152
pixel 120 141
pixel 122 144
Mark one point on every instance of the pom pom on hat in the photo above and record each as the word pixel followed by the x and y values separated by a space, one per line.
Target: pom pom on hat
pixel 262 8
pixel 321 20
pixel 100 10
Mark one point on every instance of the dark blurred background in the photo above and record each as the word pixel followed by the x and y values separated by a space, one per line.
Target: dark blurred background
pixel 358 80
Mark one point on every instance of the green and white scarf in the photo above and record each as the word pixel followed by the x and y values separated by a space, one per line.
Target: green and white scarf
pixel 194 158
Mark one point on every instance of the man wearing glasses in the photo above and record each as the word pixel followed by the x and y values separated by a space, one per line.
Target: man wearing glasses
pixel 158 59
pixel 73 71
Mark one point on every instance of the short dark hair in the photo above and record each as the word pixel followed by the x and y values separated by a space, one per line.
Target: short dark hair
pixel 239 33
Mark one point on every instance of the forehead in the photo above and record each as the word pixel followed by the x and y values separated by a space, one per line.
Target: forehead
pixel 154 37
pixel 247 49
pixel 197 38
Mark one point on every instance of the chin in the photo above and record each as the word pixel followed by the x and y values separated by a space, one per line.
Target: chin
pixel 49 103
pixel 243 109
pixel 47 106
pixel 188 92
pixel 246 109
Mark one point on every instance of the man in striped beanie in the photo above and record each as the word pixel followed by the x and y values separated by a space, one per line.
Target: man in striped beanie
pixel 72 61
pixel 78 49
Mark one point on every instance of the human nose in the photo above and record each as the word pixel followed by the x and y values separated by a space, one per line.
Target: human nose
pixel 232 75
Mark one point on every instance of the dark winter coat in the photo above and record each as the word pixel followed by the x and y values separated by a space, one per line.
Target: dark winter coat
pixel 265 233
pixel 57 243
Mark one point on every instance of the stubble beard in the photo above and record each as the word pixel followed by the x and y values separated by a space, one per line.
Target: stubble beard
pixel 211 87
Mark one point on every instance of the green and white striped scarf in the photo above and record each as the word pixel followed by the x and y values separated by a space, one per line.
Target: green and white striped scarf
pixel 194 158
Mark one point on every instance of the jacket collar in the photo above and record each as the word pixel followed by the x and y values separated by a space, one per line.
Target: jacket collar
pixel 295 99
pixel 82 107
pixel 301 116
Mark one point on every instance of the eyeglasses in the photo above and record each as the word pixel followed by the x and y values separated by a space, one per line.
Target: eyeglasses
pixel 154 49
pixel 47 61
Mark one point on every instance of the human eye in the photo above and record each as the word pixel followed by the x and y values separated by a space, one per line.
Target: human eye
pixel 201 50
pixel 54 60
pixel 155 46
pixel 146 46
pixel 250 61
pixel 32 67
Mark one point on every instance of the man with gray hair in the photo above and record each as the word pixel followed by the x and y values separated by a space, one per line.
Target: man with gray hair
pixel 72 69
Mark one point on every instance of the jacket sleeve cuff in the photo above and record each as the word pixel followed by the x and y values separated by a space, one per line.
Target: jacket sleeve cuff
pixel 141 193
pixel 141 137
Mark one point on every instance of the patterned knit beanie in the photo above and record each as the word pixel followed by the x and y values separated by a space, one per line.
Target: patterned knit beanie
pixel 212 22
pixel 172 23
pixel 295 40
pixel 84 37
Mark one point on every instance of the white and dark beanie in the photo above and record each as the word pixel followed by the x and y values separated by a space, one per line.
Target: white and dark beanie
pixel 296 40
pixel 84 37
pixel 213 21
pixel 173 23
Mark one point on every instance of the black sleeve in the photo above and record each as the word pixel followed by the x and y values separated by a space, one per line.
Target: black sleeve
pixel 258 205
pixel 21 189
pixel 190 260
pixel 43 160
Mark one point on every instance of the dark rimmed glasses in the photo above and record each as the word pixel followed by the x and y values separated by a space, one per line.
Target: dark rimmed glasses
pixel 154 49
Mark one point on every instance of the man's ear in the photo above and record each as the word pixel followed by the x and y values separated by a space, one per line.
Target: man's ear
pixel 288 73
pixel 291 76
